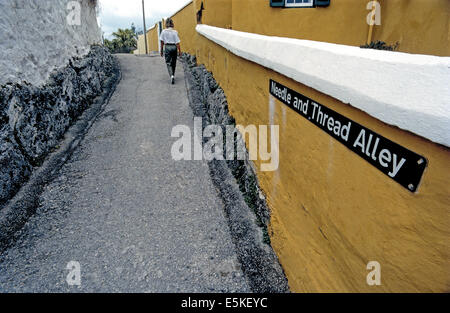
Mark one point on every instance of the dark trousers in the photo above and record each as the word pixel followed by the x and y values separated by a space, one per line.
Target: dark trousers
pixel 171 54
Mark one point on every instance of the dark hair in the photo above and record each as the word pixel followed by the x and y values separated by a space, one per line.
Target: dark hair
pixel 169 23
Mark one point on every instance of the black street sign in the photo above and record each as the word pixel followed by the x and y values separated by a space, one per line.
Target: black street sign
pixel 396 162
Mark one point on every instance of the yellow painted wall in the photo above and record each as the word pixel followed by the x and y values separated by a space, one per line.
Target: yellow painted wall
pixel 153 39
pixel 141 45
pixel 344 21
pixel 332 212
pixel 420 26
pixel 217 13
pixel 185 22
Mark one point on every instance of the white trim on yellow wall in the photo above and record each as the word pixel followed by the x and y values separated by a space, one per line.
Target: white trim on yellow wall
pixel 410 91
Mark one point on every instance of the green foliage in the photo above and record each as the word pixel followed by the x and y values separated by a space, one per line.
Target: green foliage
pixel 125 41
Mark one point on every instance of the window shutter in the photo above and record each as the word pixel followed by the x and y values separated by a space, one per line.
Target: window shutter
pixel 277 3
pixel 322 3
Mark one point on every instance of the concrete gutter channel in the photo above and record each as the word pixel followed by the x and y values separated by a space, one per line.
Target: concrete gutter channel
pixel 16 212
pixel 245 207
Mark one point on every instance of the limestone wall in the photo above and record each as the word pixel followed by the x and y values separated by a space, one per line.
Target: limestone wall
pixel 50 73
pixel 38 36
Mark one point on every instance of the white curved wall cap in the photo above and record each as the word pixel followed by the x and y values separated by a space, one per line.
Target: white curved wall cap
pixel 409 91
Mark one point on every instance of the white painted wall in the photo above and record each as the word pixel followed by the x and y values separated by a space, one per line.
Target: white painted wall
pixel 406 90
pixel 35 38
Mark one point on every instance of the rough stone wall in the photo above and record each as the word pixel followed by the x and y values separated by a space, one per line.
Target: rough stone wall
pixel 34 119
pixel 245 205
pixel 214 110
pixel 49 74
pixel 36 38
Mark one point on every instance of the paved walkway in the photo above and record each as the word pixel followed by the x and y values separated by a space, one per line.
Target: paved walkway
pixel 134 219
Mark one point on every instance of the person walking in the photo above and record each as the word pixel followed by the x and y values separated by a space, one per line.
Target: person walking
pixel 170 46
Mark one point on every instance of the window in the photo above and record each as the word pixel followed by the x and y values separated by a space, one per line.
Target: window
pixel 299 3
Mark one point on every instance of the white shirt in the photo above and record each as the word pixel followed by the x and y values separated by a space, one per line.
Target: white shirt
pixel 169 36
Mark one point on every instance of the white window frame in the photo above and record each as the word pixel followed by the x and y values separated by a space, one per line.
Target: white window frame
pixel 299 5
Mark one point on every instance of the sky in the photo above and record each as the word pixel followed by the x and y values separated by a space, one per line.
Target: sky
pixel 116 14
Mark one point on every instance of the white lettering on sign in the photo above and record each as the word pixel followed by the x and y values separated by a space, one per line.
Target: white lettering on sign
pixel 385 157
pixel 395 161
